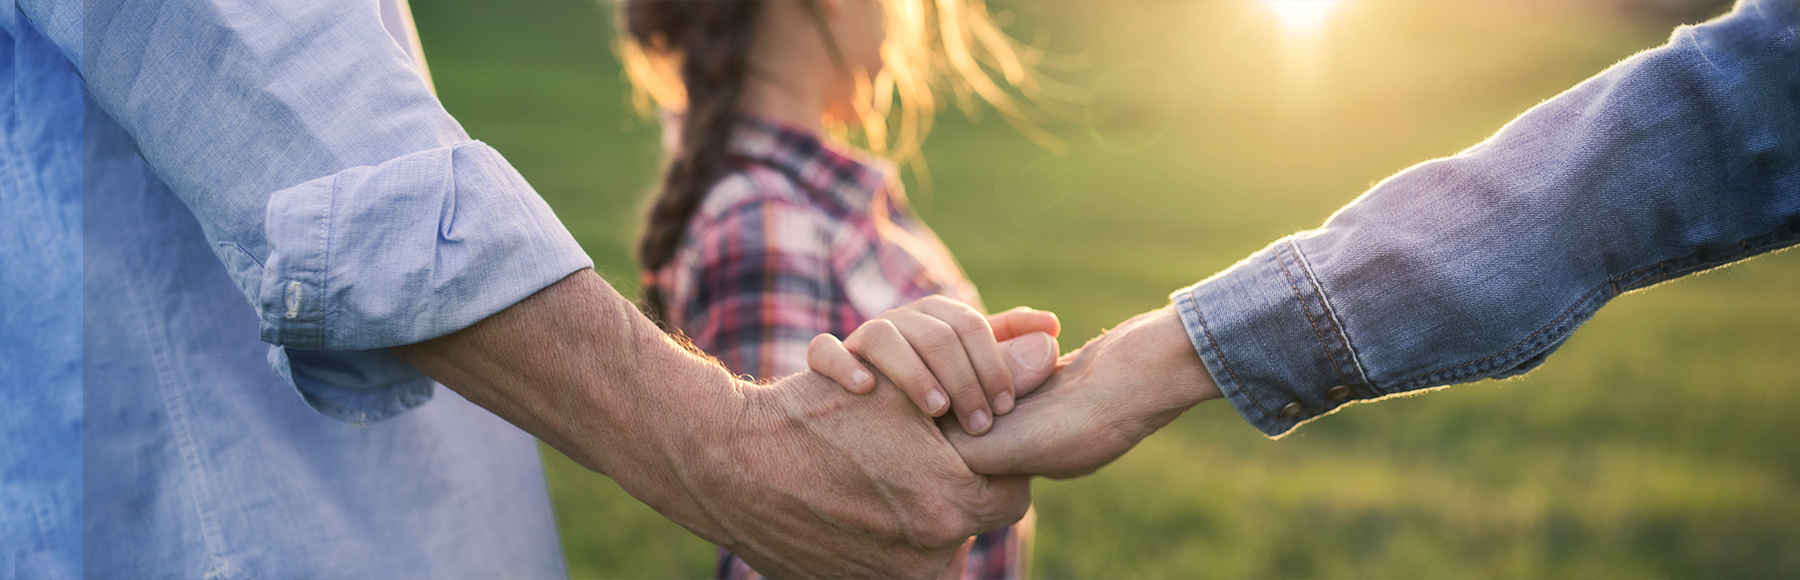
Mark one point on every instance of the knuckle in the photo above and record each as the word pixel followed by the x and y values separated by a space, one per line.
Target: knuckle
pixel 1009 511
pixel 873 332
pixel 969 321
pixel 885 331
pixel 879 325
pixel 940 337
pixel 940 525
pixel 1107 442
pixel 968 395
pixel 1114 441
pixel 921 380
pixel 820 345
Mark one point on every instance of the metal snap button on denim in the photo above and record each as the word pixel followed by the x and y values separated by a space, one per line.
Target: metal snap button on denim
pixel 1338 393
pixel 1289 411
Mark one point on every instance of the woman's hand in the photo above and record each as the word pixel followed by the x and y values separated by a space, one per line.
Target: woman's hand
pixel 946 356
pixel 1106 397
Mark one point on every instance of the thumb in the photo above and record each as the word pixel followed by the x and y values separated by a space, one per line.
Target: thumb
pixel 1043 436
pixel 1022 320
pixel 1032 359
pixel 1014 446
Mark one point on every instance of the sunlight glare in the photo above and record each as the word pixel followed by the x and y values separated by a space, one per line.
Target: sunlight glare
pixel 1300 16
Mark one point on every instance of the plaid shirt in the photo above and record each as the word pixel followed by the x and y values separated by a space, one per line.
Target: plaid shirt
pixel 802 239
pixel 799 239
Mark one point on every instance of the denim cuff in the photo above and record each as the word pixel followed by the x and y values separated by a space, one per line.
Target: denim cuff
pixel 1271 340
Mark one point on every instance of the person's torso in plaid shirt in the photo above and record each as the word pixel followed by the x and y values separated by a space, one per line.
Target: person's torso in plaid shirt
pixel 802 239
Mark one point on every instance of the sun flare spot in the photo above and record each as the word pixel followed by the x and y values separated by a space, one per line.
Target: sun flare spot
pixel 1300 16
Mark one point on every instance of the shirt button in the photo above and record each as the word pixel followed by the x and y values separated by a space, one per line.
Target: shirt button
pixel 1338 393
pixel 1289 411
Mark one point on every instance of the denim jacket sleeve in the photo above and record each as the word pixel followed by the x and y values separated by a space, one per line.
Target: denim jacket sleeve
pixel 1679 159
pixel 352 211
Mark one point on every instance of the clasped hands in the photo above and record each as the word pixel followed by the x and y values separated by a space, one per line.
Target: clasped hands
pixel 1065 417
pixel 1062 417
pixel 890 455
pixel 803 477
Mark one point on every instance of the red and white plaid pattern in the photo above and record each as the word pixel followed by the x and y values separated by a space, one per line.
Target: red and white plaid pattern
pixel 802 239
pixel 797 240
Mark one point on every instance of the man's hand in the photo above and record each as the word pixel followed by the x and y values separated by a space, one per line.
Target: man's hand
pixel 800 478
pixel 814 480
pixel 1103 399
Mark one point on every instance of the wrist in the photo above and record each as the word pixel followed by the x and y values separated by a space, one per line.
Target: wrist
pixel 1187 383
pixel 661 434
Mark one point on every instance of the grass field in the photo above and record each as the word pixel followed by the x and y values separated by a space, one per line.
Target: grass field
pixel 1656 443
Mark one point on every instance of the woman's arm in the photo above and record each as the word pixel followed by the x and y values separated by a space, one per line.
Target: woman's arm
pixel 1680 159
pixel 1677 160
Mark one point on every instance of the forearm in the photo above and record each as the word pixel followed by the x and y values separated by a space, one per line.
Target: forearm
pixel 1170 377
pixel 800 478
pixel 577 366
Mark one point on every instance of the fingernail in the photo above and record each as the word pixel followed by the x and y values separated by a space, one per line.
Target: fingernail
pixel 979 422
pixel 1032 350
pixel 936 400
pixel 1003 404
pixel 861 378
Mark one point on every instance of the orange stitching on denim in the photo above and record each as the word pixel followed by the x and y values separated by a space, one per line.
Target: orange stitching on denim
pixel 1343 333
pixel 1221 353
pixel 1309 317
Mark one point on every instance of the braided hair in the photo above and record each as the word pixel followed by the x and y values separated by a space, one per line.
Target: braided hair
pixel 713 40
pixel 944 46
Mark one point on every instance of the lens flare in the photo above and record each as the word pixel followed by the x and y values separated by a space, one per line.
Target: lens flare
pixel 1132 106
pixel 1300 16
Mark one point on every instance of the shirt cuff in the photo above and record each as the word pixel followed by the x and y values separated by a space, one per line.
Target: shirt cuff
pixel 377 256
pixel 415 248
pixel 356 386
pixel 1268 334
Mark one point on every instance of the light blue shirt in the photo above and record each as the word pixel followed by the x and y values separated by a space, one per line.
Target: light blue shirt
pixel 40 307
pixel 269 196
pixel 1677 160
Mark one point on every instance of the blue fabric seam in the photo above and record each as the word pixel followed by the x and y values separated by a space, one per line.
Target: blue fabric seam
pixel 1281 259
pixel 240 248
pixel 1237 385
pixel 325 272
pixel 179 418
pixel 1343 333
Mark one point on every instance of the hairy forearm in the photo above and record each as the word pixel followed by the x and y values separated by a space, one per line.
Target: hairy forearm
pixel 577 366
pixel 799 477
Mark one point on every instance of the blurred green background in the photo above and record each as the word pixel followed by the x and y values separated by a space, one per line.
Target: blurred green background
pixel 1656 443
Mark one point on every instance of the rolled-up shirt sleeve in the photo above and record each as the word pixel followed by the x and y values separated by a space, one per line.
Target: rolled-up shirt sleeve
pixel 411 249
pixel 1677 160
pixel 352 211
